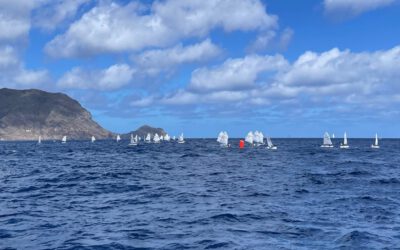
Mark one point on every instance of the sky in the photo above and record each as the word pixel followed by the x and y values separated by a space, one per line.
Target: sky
pixel 287 68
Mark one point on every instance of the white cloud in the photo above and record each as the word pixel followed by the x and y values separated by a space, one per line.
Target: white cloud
pixel 14 19
pixel 114 77
pixel 335 79
pixel 271 40
pixel 240 73
pixel 131 27
pixel 50 13
pixel 153 62
pixel 8 57
pixel 349 8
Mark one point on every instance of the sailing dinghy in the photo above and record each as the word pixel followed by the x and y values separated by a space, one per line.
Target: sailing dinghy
pixel 250 138
pixel 148 138
pixel 376 143
pixel 133 141
pixel 64 139
pixel 167 138
pixel 156 138
pixel 93 139
pixel 39 140
pixel 181 140
pixel 118 138
pixel 270 145
pixel 223 139
pixel 327 141
pixel 344 144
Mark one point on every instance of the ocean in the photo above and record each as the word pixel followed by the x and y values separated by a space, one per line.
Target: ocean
pixel 197 195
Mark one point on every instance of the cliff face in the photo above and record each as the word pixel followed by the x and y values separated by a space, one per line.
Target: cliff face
pixel 144 130
pixel 28 114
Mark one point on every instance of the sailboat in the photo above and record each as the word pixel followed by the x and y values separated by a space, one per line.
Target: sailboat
pixel 327 141
pixel 344 144
pixel 93 139
pixel 270 145
pixel 258 138
pixel 64 139
pixel 376 144
pixel 181 139
pixel 118 138
pixel 156 138
pixel 167 138
pixel 223 139
pixel 133 141
pixel 174 138
pixel 333 136
pixel 148 138
pixel 161 138
pixel 250 138
pixel 39 140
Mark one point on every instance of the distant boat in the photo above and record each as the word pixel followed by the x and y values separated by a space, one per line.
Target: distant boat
pixel 93 139
pixel 333 136
pixel 134 141
pixel 148 138
pixel 223 139
pixel 161 138
pixel 156 138
pixel 118 138
pixel 376 144
pixel 270 145
pixel 167 138
pixel 327 141
pixel 39 140
pixel 64 139
pixel 344 144
pixel 258 138
pixel 181 139
pixel 250 138
pixel 174 138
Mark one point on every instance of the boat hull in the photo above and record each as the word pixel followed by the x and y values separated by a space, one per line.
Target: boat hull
pixel 375 146
pixel 344 146
pixel 326 146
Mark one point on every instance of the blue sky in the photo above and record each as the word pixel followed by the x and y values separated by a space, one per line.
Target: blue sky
pixel 287 68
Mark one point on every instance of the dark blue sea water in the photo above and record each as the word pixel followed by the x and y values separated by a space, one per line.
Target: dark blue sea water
pixel 199 196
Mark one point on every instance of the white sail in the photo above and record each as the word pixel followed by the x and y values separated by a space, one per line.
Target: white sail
pixel 181 139
pixel 333 136
pixel 161 138
pixel 167 138
pixel 93 139
pixel 376 142
pixel 270 145
pixel 64 139
pixel 118 138
pixel 250 137
pixel 156 138
pixel 269 142
pixel 258 138
pixel 133 141
pixel 39 139
pixel 345 139
pixel 223 138
pixel 220 135
pixel 327 141
pixel 174 138
pixel 148 138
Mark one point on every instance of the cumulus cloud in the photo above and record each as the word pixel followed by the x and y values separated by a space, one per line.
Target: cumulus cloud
pixel 350 8
pixel 49 13
pixel 14 19
pixel 132 27
pixel 113 77
pixel 153 62
pixel 271 40
pixel 334 79
pixel 239 73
